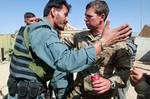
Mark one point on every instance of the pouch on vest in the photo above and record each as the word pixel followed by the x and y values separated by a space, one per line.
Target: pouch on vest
pixel 22 90
pixel 12 86
pixel 41 69
pixel 34 90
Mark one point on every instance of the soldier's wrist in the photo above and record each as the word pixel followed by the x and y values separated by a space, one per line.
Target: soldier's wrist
pixel 102 44
pixel 98 47
pixel 112 84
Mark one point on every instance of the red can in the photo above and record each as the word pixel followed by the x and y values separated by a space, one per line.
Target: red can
pixel 95 76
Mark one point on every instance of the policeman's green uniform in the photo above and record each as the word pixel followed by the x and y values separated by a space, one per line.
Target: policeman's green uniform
pixel 37 53
pixel 113 63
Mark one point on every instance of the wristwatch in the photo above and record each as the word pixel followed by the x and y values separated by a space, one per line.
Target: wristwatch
pixel 112 84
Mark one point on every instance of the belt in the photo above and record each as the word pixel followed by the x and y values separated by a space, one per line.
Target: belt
pixel 25 88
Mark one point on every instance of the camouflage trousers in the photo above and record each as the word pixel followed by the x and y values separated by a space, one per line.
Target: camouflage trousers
pixel 77 94
pixel 39 97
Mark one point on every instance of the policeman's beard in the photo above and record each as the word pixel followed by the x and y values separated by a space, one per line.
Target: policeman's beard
pixel 60 23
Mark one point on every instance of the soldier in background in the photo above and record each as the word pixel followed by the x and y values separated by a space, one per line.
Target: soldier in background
pixel 141 82
pixel 29 18
pixel 113 66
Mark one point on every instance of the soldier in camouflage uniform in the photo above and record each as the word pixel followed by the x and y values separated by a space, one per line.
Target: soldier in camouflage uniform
pixel 38 52
pixel 113 63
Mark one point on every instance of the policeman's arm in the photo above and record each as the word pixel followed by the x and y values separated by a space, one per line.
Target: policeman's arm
pixel 48 47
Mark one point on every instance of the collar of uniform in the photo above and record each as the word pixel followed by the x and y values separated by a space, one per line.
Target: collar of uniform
pixel 49 24
pixel 94 38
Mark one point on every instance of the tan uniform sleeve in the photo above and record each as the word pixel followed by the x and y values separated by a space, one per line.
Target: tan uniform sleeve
pixel 68 40
pixel 123 64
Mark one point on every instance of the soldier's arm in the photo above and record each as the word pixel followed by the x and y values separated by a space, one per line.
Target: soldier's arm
pixel 68 40
pixel 124 63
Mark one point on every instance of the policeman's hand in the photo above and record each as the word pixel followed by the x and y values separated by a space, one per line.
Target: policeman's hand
pixel 101 85
pixel 136 75
pixel 115 35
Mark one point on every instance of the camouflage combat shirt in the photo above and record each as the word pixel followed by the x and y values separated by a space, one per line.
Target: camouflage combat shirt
pixel 113 63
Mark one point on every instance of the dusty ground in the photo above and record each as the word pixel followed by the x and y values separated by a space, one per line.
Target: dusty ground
pixel 4 71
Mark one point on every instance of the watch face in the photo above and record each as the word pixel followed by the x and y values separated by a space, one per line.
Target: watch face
pixel 113 85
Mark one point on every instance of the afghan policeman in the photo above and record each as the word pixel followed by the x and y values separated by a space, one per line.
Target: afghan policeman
pixel 113 63
pixel 39 51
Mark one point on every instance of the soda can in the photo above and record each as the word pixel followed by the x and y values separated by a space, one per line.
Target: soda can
pixel 95 76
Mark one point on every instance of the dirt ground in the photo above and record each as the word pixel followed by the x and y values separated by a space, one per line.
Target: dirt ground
pixel 4 72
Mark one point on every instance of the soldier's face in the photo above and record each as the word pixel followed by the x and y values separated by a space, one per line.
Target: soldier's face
pixel 92 20
pixel 31 20
pixel 61 18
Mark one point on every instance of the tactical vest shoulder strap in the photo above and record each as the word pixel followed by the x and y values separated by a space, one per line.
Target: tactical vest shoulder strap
pixel 42 26
pixel 27 30
pixel 37 67
pixel 26 37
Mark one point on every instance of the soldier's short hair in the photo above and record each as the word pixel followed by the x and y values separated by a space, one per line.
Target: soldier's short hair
pixel 29 15
pixel 100 7
pixel 57 4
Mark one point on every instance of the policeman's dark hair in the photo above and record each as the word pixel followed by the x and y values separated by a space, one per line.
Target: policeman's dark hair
pixel 29 15
pixel 100 7
pixel 57 4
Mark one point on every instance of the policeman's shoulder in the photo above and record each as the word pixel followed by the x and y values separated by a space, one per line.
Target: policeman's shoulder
pixel 36 26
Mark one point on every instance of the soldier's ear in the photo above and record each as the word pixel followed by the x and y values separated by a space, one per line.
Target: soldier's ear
pixel 103 16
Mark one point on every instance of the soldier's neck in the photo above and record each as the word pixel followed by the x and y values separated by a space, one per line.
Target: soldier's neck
pixel 96 32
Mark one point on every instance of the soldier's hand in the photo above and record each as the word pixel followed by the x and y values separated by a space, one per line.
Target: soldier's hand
pixel 136 75
pixel 101 86
pixel 115 35
pixel 98 47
